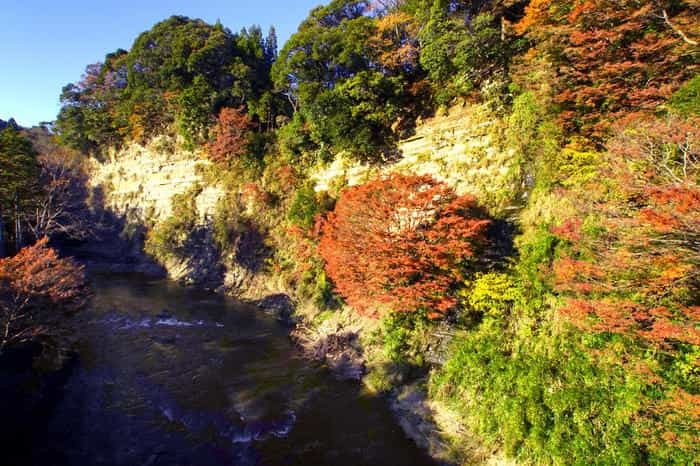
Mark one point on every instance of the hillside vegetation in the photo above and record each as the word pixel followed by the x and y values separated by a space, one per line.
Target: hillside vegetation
pixel 533 265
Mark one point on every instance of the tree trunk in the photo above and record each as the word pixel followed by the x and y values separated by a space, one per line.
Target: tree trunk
pixel 2 235
pixel 18 224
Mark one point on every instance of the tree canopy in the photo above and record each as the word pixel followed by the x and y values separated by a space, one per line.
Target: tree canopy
pixel 400 243
pixel 178 74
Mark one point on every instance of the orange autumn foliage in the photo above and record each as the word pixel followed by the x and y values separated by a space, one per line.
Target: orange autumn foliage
pixel 613 57
pixel 649 249
pixel 631 265
pixel 230 135
pixel 400 243
pixel 35 286
pixel 395 42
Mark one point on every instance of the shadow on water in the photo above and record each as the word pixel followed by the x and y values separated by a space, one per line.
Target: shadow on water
pixel 172 376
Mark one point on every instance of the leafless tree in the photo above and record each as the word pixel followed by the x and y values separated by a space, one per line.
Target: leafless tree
pixel 59 207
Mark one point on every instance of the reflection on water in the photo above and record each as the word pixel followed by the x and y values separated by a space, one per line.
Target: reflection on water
pixel 169 376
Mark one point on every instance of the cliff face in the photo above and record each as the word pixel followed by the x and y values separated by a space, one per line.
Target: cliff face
pixel 142 186
pixel 458 147
pixel 139 182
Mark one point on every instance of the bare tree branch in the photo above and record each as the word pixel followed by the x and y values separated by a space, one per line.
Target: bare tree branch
pixel 60 208
pixel 685 38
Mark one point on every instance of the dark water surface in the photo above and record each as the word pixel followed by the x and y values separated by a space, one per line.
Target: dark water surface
pixel 172 376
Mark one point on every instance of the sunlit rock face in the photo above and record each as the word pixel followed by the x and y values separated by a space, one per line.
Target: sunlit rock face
pixel 458 147
pixel 138 186
pixel 139 182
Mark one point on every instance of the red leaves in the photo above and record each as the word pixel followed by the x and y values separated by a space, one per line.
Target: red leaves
pixel 231 137
pixel 613 57
pixel 658 326
pixel 399 243
pixel 37 281
pixel 569 230
pixel 254 195
pixel 639 277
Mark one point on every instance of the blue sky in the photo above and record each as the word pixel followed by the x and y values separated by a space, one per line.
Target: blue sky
pixel 46 44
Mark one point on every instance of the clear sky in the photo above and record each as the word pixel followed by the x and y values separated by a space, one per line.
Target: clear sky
pixel 45 44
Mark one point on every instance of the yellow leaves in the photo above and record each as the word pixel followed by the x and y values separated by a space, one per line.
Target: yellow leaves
pixel 535 12
pixel 137 130
pixel 492 294
pixel 675 272
pixel 576 167
pixel 394 41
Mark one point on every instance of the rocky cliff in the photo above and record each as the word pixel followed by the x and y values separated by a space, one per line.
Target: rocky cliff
pixel 458 147
pixel 139 185
pixel 139 182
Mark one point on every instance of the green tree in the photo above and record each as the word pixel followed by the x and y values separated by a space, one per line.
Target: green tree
pixel 18 172
pixel 180 71
pixel 336 80
pixel 88 118
pixel 464 44
pixel 196 107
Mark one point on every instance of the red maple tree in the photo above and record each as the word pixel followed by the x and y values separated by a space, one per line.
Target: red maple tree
pixel 36 285
pixel 230 135
pixel 400 243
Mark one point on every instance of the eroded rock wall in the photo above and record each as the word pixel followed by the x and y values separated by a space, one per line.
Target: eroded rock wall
pixel 458 147
pixel 139 182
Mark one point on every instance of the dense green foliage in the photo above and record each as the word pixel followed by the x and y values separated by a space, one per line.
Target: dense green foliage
pixel 686 100
pixel 19 171
pixel 464 45
pixel 332 71
pixel 19 167
pixel 305 207
pixel 178 75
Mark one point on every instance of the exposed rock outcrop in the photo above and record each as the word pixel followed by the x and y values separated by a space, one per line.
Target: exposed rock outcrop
pixel 457 148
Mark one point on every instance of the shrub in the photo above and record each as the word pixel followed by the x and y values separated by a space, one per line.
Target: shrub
pixel 231 135
pixel 543 396
pixel 304 207
pixel 36 286
pixel 169 237
pixel 491 294
pixel 400 243
pixel 405 337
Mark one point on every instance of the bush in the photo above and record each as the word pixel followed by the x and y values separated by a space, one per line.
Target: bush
pixel 405 337
pixel 231 135
pixel 686 100
pixel 491 295
pixel 295 143
pixel 169 237
pixel 544 397
pixel 314 285
pixel 306 205
pixel 401 243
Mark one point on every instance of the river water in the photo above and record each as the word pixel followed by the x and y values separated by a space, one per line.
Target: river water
pixel 174 376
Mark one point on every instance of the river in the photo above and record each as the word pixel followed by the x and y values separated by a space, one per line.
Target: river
pixel 172 376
